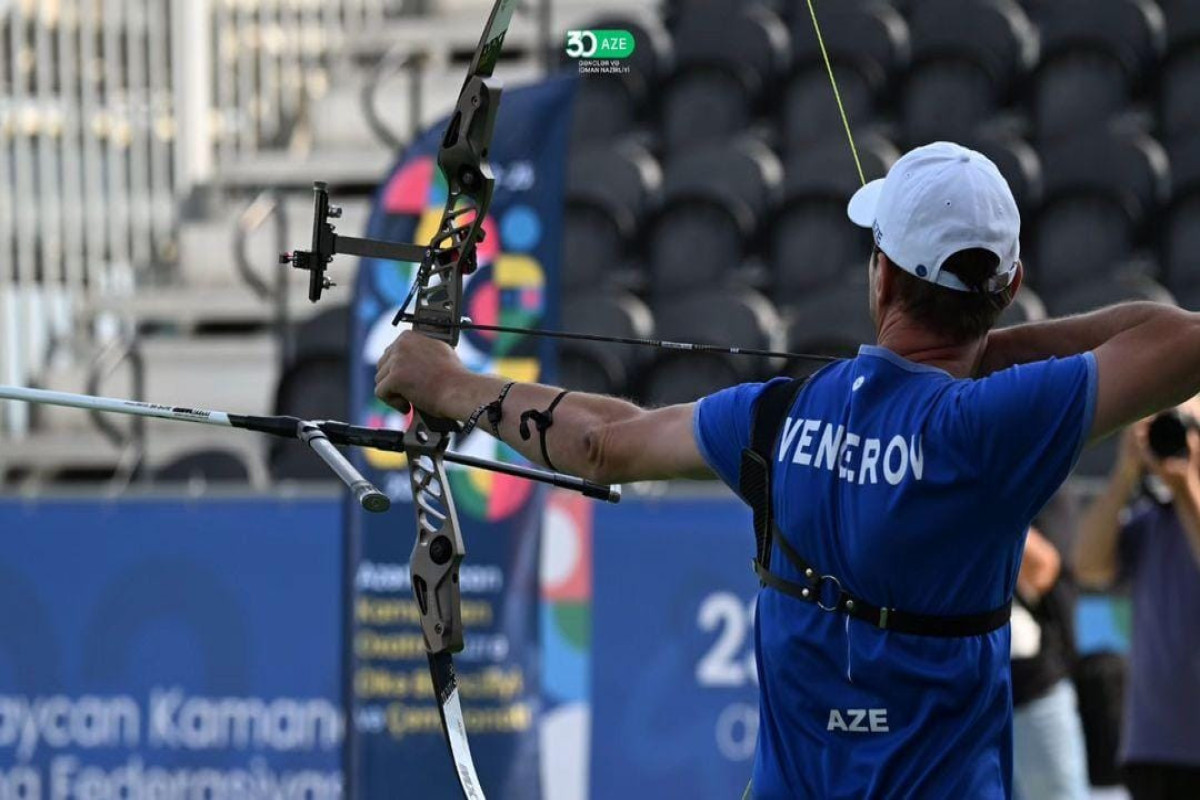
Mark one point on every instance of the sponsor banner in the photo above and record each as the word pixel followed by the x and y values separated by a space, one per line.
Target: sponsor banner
pixel 675 693
pixel 170 649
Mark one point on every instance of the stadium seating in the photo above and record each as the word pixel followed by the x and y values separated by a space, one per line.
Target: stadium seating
pixel 1096 56
pixel 610 105
pixel 1181 228
pixel 811 240
pixel 204 466
pixel 1095 218
pixel 715 200
pixel 307 390
pixel 729 57
pixel 610 190
pixel 835 321
pixel 1179 109
pixel 599 367
pixel 968 56
pixel 868 45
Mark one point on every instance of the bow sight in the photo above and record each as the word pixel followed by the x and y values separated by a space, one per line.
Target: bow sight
pixel 326 243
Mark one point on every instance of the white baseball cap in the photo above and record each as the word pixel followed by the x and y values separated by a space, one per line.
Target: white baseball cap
pixel 936 201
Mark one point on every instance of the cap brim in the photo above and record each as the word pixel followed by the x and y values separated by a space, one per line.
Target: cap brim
pixel 862 206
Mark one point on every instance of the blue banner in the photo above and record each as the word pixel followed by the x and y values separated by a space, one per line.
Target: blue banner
pixel 675 693
pixel 170 649
pixel 399 741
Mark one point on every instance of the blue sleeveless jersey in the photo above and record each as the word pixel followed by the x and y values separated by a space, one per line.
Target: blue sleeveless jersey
pixel 915 490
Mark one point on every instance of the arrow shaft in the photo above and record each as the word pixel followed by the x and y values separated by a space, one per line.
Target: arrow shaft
pixel 660 344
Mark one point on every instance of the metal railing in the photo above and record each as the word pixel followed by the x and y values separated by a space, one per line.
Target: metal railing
pixel 112 110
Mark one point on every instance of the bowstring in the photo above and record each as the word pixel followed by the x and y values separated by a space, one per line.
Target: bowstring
pixel 837 95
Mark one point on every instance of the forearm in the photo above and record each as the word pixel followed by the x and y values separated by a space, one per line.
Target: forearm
pixel 572 441
pixel 1069 336
pixel 1095 551
pixel 1187 507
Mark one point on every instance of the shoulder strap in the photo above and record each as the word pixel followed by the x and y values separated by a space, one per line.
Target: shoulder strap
pixel 773 405
pixel 754 479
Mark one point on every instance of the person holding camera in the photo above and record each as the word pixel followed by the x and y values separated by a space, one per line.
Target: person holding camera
pixel 1154 543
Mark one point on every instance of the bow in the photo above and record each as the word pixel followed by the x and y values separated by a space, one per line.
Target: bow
pixel 437 293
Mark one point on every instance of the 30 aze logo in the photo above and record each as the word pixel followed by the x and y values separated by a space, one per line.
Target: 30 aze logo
pixel 600 44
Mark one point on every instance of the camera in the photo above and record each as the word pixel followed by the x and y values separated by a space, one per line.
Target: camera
pixel 1168 434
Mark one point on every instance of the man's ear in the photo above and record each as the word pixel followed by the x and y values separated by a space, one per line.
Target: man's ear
pixel 885 283
pixel 1017 281
pixel 1019 278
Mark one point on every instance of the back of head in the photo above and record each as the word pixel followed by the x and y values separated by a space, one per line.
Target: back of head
pixel 957 316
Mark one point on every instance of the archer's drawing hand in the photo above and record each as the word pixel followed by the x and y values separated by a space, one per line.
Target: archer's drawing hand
pixel 416 370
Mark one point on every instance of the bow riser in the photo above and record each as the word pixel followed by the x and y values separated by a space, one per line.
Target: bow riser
pixel 438 550
pixel 469 185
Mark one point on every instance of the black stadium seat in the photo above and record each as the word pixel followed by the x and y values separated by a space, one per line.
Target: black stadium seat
pixel 1096 55
pixel 610 189
pixel 314 387
pixel 326 333
pixel 811 240
pixel 968 56
pixel 728 58
pixel 610 105
pixel 715 199
pixel 1181 228
pixel 1020 165
pixel 868 45
pixel 205 466
pixel 1183 23
pixel 1118 287
pixel 834 320
pixel 599 366
pixel 1095 218
pixel 1179 95
pixel 685 377
pixel 736 318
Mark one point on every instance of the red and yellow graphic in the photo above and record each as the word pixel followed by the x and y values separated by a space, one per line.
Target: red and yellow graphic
pixel 508 288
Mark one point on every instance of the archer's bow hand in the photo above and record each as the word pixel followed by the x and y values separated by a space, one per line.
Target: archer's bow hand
pixel 416 370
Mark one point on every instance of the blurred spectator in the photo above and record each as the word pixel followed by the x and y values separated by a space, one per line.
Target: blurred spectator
pixel 1155 544
pixel 1049 756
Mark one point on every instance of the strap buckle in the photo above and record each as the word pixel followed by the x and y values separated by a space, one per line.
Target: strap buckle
pixel 819 590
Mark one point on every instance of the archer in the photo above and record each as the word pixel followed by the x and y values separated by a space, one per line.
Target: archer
pixel 891 491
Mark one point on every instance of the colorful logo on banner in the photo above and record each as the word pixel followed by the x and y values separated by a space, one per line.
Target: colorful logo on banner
pixel 508 288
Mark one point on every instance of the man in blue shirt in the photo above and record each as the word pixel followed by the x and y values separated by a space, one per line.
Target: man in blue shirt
pixel 903 483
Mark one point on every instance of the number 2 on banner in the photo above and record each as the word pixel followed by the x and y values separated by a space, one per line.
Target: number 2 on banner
pixel 728 663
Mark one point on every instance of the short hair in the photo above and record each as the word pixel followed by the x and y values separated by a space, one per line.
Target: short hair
pixel 958 315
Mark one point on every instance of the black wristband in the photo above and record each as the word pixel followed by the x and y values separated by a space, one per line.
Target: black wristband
pixel 494 411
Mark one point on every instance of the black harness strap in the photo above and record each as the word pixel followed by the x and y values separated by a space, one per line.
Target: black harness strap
pixel 826 591
pixel 754 480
